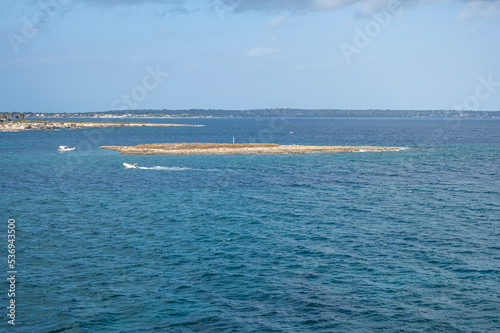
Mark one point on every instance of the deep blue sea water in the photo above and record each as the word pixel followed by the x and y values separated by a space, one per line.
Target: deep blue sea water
pixel 405 241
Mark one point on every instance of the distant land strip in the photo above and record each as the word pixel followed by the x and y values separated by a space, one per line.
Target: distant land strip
pixel 275 113
pixel 53 125
pixel 231 149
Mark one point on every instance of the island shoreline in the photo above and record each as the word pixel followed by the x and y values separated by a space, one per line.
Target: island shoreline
pixel 236 149
pixel 64 124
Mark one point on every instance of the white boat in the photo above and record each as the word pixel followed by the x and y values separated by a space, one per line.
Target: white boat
pixel 130 165
pixel 64 148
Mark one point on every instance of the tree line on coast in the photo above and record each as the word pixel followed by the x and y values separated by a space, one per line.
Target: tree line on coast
pixel 11 116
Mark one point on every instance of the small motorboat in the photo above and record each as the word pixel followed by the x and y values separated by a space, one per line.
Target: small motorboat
pixel 64 148
pixel 130 165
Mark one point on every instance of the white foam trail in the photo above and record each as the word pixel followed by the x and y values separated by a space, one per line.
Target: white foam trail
pixel 164 168
pixel 379 151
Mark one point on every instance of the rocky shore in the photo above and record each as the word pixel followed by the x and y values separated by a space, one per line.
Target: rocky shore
pixel 52 125
pixel 229 149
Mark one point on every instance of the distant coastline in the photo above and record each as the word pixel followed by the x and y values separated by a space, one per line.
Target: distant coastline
pixel 273 113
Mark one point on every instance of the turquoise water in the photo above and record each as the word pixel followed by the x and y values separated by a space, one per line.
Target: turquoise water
pixel 402 241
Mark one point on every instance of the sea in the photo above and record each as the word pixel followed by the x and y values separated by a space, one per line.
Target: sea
pixel 395 241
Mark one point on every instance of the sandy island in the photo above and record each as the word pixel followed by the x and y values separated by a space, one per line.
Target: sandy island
pixel 52 125
pixel 229 149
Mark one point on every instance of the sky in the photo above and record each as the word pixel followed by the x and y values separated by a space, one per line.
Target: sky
pixel 99 55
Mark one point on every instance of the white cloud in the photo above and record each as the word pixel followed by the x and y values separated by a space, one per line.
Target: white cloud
pixel 132 59
pixel 477 26
pixel 473 8
pixel 260 52
pixel 331 4
pixel 163 32
pixel 371 6
pixel 480 9
pixel 279 20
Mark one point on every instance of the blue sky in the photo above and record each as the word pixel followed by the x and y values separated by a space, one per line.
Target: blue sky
pixel 91 55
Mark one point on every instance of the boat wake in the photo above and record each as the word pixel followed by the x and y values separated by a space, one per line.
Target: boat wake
pixel 379 151
pixel 162 168
pixel 165 168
